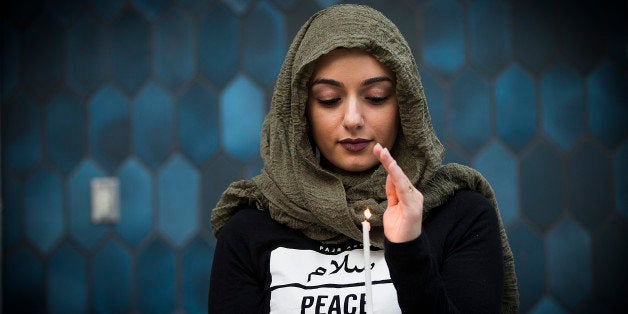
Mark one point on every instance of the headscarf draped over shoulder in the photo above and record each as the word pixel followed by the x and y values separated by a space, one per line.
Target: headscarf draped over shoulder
pixel 328 206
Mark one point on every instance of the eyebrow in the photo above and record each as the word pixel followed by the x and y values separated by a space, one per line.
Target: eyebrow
pixel 376 80
pixel 366 82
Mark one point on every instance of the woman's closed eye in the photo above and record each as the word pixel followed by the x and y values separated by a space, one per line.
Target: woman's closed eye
pixel 328 101
pixel 378 100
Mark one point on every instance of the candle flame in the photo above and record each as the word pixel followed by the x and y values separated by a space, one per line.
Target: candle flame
pixel 367 213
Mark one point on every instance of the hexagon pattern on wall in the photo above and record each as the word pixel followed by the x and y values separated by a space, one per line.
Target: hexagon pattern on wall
pixel 109 127
pixel 43 210
pixel 500 168
pixel 153 128
pixel 21 134
pixel 489 36
pixel 178 187
pixel 569 263
pixel 515 108
pixel 156 294
pixel 130 50
pixel 66 131
pixel 170 96
pixel 86 64
pixel 470 112
pixel 112 279
pixel 67 276
pixel 81 227
pixel 241 101
pixel 136 202
pixel 443 47
pixel 27 277
pixel 218 44
pixel 174 57
pixel 541 187
pixel 42 57
pixel 562 100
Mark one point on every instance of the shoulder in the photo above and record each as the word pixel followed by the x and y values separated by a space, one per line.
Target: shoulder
pixel 246 216
pixel 243 222
pixel 254 226
pixel 469 203
pixel 243 217
pixel 465 209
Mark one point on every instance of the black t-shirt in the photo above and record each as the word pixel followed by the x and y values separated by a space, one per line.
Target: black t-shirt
pixel 456 265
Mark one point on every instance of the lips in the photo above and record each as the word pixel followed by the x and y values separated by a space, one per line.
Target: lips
pixel 354 145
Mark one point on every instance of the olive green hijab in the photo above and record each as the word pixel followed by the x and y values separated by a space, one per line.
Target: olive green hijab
pixel 327 206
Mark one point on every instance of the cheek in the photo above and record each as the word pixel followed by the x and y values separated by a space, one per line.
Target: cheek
pixel 318 123
pixel 323 120
pixel 388 126
pixel 313 120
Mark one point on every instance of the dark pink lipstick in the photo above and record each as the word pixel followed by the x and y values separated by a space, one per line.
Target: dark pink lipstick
pixel 354 145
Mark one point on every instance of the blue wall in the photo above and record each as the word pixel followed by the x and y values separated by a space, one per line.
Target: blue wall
pixel 169 97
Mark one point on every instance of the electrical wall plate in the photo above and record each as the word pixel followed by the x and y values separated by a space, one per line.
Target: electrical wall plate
pixel 105 200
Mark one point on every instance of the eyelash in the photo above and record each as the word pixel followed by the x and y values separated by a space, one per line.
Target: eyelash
pixel 328 102
pixel 378 100
pixel 333 101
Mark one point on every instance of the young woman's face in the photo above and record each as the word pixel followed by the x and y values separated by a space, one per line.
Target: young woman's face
pixel 352 105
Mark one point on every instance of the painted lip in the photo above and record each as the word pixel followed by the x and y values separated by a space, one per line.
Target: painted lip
pixel 354 144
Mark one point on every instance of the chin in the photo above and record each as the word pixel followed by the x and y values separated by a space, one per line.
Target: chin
pixel 358 167
pixel 349 163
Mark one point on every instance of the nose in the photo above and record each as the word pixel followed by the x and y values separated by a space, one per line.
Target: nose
pixel 353 118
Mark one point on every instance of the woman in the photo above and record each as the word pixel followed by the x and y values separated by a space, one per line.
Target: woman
pixel 348 129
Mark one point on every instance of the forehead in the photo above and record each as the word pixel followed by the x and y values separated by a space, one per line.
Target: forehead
pixel 344 62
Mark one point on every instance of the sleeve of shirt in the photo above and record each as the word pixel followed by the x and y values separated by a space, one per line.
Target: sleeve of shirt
pixel 469 277
pixel 234 286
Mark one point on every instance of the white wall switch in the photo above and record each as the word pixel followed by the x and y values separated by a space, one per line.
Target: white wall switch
pixel 105 200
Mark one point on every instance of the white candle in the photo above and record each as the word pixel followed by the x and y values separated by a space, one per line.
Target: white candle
pixel 366 243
